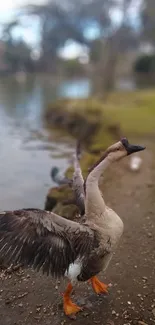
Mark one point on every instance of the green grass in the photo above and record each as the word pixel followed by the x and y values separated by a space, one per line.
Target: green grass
pixel 135 111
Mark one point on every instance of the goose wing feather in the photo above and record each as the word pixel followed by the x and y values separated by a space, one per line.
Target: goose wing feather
pixel 43 240
pixel 78 181
pixel 78 189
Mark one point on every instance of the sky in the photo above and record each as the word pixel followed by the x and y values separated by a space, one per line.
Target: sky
pixel 8 6
pixel 9 9
pixel 29 31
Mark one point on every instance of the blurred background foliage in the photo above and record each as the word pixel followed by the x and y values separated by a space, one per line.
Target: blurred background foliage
pixel 116 38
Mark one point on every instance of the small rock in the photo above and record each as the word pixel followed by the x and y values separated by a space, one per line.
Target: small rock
pixel 7 301
pixel 20 305
pixel 38 309
pixel 141 323
pixel 88 305
pixel 129 302
pixel 113 312
pixel 149 235
pixel 149 308
pixel 153 312
pixel 56 287
pixel 144 278
pixel 150 184
pixel 73 317
pixel 81 301
pixel 135 322
pixel 110 322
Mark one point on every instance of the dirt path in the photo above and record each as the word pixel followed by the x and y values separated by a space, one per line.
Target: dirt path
pixel 28 298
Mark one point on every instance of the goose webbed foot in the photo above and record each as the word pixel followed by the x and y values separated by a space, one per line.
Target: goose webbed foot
pixel 69 307
pixel 98 286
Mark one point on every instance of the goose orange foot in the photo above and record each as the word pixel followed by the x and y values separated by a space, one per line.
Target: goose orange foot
pixel 98 286
pixel 69 307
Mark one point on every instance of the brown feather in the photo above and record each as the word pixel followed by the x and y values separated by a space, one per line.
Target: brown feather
pixel 43 240
pixel 78 181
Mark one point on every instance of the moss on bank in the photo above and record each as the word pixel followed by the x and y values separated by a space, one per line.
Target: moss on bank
pixel 82 118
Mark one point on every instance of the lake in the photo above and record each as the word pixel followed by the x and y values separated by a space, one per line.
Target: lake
pixel 27 149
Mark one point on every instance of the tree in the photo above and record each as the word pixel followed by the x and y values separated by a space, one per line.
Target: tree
pixel 18 56
pixel 117 40
pixel 148 20
pixel 63 20
pixel 68 19
pixel 58 24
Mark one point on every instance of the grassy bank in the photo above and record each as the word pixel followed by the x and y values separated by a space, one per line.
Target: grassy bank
pixel 135 111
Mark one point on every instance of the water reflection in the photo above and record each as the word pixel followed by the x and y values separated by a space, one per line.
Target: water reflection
pixel 74 88
pixel 26 154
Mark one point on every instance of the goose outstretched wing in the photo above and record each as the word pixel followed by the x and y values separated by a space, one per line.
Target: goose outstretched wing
pixel 43 240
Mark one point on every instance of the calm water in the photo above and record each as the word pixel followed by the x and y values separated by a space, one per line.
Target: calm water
pixel 27 150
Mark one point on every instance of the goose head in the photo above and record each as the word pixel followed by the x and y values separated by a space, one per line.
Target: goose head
pixel 121 149
pixel 117 151
pixel 54 172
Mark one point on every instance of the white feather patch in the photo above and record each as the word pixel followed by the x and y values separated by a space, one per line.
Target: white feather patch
pixel 74 270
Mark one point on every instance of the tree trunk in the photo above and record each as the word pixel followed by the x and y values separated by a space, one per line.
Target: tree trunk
pixel 104 75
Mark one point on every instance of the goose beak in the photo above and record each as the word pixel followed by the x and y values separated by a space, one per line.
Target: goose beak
pixel 134 148
pixel 131 148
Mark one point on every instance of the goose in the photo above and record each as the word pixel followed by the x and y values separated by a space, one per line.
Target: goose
pixel 64 248
pixel 59 179
pixel 135 163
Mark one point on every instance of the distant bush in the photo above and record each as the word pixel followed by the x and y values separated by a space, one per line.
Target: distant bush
pixel 73 67
pixel 145 64
pixel 144 71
